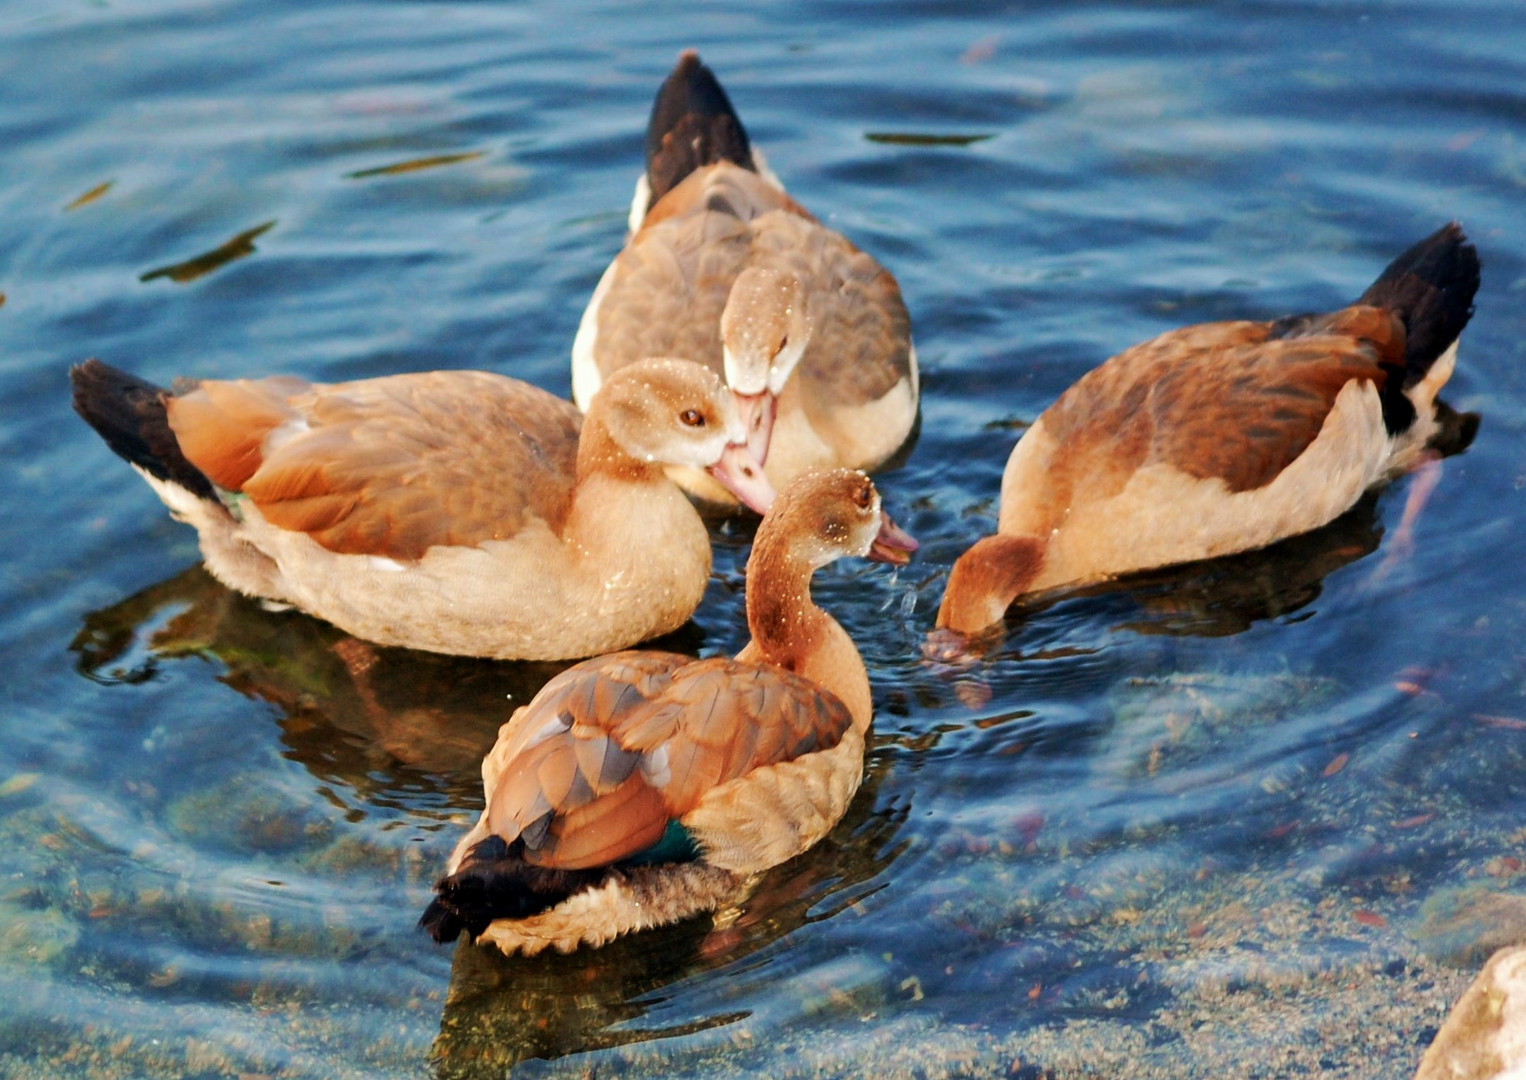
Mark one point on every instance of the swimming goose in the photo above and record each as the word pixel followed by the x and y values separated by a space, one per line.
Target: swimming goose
pixel 452 511
pixel 820 347
pixel 1224 437
pixel 642 788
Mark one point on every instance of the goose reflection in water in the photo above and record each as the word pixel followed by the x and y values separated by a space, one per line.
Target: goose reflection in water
pixel 392 724
pixel 1227 596
pixel 409 729
pixel 383 721
pixel 1212 598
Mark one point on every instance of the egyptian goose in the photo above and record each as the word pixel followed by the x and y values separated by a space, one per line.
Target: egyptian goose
pixel 641 788
pixel 453 511
pixel 822 339
pixel 1224 437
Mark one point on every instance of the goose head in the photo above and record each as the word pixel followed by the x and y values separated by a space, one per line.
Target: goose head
pixel 765 328
pixel 826 515
pixel 676 412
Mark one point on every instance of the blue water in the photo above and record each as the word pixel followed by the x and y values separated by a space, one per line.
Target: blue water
pixel 1269 777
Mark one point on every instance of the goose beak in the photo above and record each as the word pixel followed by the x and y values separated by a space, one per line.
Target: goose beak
pixel 757 414
pixel 893 544
pixel 741 472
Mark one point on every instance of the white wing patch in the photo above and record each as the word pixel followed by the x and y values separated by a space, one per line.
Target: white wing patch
pixel 586 379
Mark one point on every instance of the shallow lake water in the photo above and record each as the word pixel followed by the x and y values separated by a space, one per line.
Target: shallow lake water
pixel 1260 817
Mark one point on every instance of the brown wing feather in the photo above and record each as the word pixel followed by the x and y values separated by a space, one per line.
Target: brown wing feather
pixel 613 749
pixel 623 822
pixel 1219 400
pixel 860 344
pixel 221 426
pixel 535 768
pixel 389 466
pixel 673 279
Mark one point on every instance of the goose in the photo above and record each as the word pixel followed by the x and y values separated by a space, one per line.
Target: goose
pixel 1224 437
pixel 723 267
pixel 642 788
pixel 450 511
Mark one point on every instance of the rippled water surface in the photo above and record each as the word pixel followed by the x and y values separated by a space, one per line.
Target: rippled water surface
pixel 1257 817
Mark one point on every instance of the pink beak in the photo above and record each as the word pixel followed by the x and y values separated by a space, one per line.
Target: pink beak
pixel 742 474
pixel 757 412
pixel 893 545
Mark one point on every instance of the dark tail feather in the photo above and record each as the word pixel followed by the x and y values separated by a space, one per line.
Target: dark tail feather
pixel 1431 286
pixel 692 125
pixel 129 414
pixel 494 882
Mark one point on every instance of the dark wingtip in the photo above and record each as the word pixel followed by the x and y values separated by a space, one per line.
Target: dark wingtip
pixel 85 379
pixel 494 882
pixel 1430 286
pixel 440 922
pixel 692 125
pixel 129 414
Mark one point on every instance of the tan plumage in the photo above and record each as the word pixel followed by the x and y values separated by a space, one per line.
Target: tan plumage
pixel 453 511
pixel 1222 437
pixel 390 466
pixel 615 748
pixel 755 758
pixel 715 212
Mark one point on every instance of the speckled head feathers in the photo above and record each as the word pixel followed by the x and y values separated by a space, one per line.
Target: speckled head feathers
pixel 827 514
pixel 764 330
pixel 676 412
pixel 672 412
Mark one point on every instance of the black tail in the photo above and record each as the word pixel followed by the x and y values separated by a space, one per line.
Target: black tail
pixel 495 882
pixel 129 414
pixel 692 125
pixel 1431 286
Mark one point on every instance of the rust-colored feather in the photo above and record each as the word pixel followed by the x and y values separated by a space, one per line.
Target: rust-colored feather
pixel 620 824
pixel 602 761
pixel 389 466
pixel 1380 327
pixel 1217 400
pixel 616 747
pixel 316 514
pixel 221 426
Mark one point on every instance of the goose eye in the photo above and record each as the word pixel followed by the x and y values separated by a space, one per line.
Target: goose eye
pixel 863 496
pixel 692 418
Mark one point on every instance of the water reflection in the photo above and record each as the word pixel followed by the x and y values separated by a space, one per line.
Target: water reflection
pixel 90 196
pixel 382 721
pixel 239 247
pixel 1226 596
pixel 501 1011
pixel 406 729
pixel 1215 597
pixel 399 168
